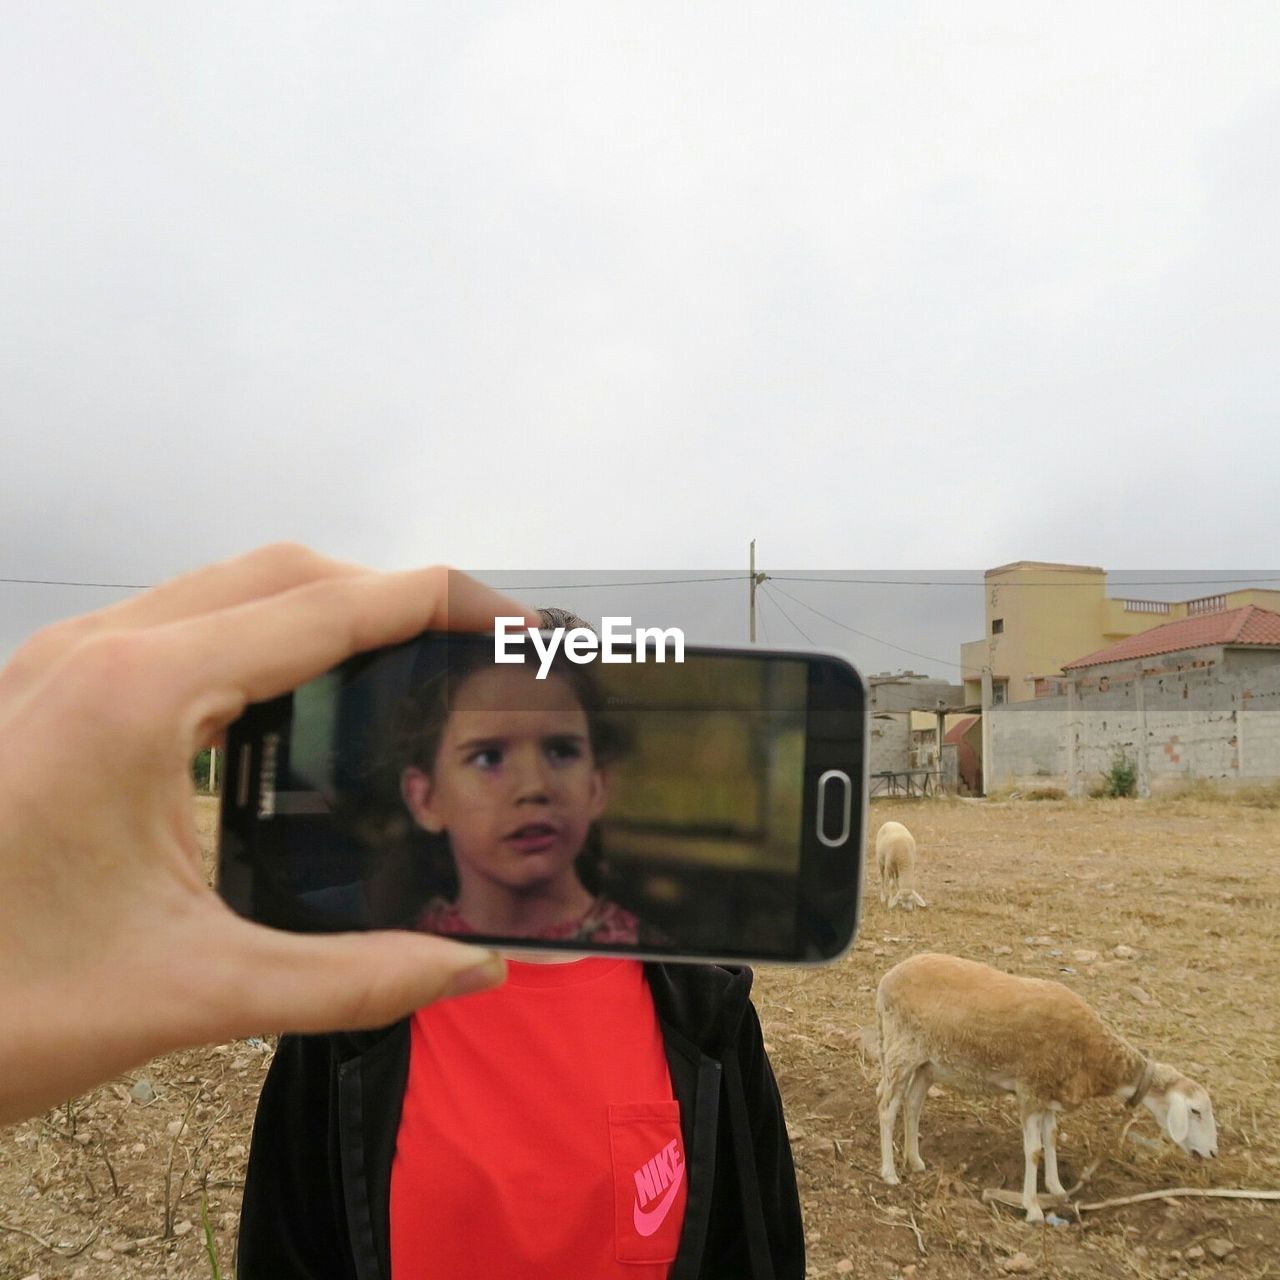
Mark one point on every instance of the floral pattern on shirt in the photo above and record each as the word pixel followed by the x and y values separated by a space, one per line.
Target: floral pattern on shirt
pixel 603 921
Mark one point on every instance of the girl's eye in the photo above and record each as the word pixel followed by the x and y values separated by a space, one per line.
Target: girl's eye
pixel 564 749
pixel 486 758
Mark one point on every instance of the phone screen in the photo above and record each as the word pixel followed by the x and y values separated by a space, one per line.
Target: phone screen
pixel 711 807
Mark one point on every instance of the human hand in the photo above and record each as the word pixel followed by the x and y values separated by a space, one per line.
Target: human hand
pixel 113 948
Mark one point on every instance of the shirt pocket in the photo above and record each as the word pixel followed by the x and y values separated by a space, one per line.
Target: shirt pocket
pixel 650 1184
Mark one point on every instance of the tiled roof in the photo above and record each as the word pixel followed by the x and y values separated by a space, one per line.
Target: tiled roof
pixel 1248 626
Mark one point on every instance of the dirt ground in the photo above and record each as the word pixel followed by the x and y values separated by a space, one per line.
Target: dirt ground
pixel 113 1183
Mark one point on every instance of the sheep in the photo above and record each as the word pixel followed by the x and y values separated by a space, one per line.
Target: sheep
pixel 978 1029
pixel 896 856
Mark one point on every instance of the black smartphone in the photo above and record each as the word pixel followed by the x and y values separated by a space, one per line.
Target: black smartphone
pixel 707 804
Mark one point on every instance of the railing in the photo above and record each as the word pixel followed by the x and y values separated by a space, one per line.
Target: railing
pixel 1206 604
pixel 1146 606
pixel 905 782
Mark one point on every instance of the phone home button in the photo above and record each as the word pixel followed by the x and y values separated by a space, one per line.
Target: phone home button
pixel 824 783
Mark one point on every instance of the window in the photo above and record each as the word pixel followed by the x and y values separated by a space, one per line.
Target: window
pixel 997 626
pixel 999 693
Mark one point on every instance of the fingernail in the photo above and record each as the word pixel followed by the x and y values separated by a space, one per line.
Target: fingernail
pixel 490 972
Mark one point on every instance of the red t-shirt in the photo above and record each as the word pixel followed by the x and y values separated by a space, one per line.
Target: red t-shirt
pixel 539 1138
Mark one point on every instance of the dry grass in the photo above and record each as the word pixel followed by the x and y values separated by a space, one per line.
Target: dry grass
pixel 1191 882
pixel 1212 798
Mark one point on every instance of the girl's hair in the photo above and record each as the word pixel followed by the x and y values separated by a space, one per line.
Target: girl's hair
pixel 421 718
pixel 419 723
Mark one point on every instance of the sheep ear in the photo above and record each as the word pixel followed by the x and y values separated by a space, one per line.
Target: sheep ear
pixel 1179 1118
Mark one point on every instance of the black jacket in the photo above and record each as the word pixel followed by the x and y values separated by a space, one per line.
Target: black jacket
pixel 318 1187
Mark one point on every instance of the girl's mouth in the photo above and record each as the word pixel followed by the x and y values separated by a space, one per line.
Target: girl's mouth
pixel 533 837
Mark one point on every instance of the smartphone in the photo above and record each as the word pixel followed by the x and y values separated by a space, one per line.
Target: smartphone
pixel 699 804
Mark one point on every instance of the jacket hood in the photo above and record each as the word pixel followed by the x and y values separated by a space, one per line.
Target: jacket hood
pixel 706 1001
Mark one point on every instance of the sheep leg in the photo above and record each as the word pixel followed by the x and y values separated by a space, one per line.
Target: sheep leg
pixel 1049 1129
pixel 1031 1148
pixel 917 1091
pixel 889 1096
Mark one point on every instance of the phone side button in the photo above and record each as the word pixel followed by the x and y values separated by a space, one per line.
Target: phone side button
pixel 824 782
pixel 242 775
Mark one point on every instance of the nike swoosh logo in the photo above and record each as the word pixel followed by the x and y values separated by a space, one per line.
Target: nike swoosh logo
pixel 647 1223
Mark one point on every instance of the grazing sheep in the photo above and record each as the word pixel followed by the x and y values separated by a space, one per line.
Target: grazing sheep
pixel 978 1029
pixel 896 856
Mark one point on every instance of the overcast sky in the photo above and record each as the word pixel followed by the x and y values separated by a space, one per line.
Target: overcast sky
pixel 590 286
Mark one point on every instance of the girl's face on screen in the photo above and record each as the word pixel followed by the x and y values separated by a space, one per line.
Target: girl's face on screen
pixel 514 783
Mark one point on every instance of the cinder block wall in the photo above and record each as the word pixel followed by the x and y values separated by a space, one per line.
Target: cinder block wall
pixel 1218 720
pixel 890 743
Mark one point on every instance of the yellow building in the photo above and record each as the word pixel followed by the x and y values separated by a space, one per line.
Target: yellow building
pixel 1040 616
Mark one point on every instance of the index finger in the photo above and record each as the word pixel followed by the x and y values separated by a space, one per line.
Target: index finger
pixel 265 571
pixel 267 647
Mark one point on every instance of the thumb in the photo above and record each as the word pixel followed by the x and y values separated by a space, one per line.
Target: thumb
pixel 346 981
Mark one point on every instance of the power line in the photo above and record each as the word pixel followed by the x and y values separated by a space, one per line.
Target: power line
pixel 514 586
pixel 59 582
pixel 736 577
pixel 772 604
pixel 928 582
pixel 765 591
pixel 887 582
pixel 590 586
pixel 915 653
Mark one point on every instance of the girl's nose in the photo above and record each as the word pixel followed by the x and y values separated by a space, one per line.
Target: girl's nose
pixel 532 778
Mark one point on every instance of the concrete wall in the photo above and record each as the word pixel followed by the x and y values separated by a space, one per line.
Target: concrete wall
pixel 913 695
pixel 950 767
pixel 890 742
pixel 895 702
pixel 1219 720
pixel 1028 739
pixel 1241 660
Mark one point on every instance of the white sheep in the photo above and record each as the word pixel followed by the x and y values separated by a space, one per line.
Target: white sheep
pixel 896 857
pixel 978 1029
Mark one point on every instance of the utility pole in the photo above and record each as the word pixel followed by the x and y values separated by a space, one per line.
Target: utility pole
pixel 988 702
pixel 756 580
pixel 1073 733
